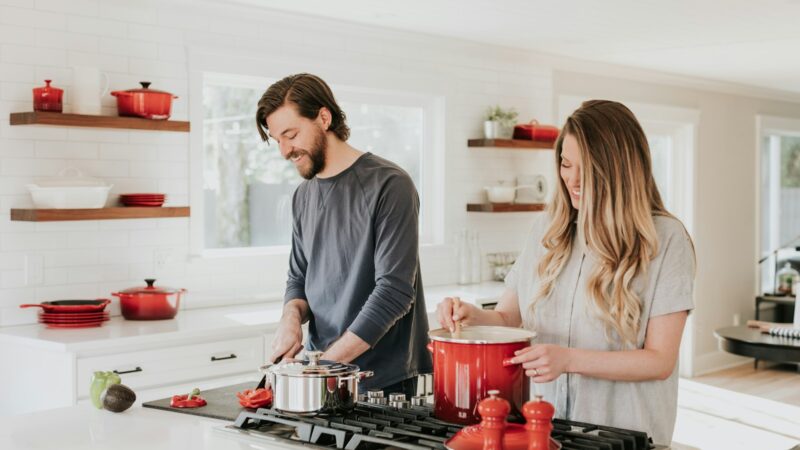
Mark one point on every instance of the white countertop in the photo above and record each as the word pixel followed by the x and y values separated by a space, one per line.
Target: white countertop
pixel 225 322
pixel 85 427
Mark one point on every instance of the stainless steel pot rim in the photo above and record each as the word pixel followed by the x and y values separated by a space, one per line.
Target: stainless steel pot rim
pixel 483 334
pixel 304 369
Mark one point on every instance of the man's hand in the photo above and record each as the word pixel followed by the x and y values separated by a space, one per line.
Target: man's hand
pixel 289 336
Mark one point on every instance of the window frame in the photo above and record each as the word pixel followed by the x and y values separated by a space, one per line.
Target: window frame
pixel 431 167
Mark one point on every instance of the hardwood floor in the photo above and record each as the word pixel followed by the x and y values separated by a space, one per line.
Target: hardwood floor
pixel 778 382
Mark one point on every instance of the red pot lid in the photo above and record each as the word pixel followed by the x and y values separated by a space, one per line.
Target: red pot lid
pixel 145 88
pixel 150 289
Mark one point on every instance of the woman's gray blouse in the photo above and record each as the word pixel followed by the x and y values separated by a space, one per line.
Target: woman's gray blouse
pixel 567 317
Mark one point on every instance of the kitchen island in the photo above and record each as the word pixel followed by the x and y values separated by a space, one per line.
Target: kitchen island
pixel 85 427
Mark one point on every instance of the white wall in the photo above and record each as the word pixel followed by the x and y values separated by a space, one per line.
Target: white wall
pixel 725 203
pixel 162 42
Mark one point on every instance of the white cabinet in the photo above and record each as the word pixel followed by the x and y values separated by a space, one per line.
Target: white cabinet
pixel 173 365
pixel 44 369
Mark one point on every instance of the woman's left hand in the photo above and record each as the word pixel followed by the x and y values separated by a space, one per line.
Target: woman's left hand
pixel 543 362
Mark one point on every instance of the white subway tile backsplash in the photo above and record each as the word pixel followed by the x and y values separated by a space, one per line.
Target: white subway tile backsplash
pixel 71 258
pixel 31 166
pixel 88 274
pixel 77 225
pixel 130 255
pixel 66 40
pixel 61 76
pixel 80 7
pixel 132 12
pixel 97 135
pixel 11 34
pixel 67 291
pixel 152 33
pixel 97 239
pixel 111 63
pixel 154 67
pixel 12 298
pixel 97 26
pixel 66 150
pixel 101 169
pixel 32 241
pixel 129 152
pixel 159 237
pixel 17 72
pixel 174 53
pixel 116 272
pixel 128 47
pixel 10 279
pixel 16 148
pixel 28 132
pixel 26 17
pixel 159 170
pixel 12 261
pixel 18 3
pixel 56 276
pixel 27 54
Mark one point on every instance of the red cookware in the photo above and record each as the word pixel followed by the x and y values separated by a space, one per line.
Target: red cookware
pixel 47 98
pixel 144 102
pixel 494 433
pixel 533 131
pixel 149 302
pixel 470 363
pixel 71 306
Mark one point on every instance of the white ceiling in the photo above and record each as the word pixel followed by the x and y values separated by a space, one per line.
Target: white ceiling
pixel 753 42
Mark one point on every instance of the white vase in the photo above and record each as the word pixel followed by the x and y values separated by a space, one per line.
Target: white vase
pixel 491 129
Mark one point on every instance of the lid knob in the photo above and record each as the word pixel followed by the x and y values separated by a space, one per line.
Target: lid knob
pixel 493 411
pixel 538 415
pixel 313 357
pixel 149 281
pixel 145 84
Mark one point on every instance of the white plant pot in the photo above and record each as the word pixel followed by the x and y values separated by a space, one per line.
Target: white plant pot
pixel 491 129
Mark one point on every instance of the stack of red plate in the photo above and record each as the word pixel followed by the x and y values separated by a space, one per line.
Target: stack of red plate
pixel 72 313
pixel 144 199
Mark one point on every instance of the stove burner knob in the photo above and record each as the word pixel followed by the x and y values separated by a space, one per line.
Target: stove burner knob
pixel 362 398
pixel 397 397
pixel 400 404
pixel 383 401
pixel 375 393
pixel 418 400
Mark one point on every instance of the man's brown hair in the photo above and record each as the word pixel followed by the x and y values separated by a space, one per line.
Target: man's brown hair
pixel 309 93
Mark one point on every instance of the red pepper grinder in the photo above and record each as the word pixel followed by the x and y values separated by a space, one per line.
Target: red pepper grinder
pixel 47 98
pixel 494 411
pixel 539 416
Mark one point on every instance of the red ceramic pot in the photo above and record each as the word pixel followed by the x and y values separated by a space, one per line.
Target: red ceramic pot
pixel 47 98
pixel 149 302
pixel 144 102
pixel 467 365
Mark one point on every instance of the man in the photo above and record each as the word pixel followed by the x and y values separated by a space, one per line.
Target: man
pixel 354 271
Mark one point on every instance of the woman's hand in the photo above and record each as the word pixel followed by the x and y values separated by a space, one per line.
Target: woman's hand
pixel 452 309
pixel 543 362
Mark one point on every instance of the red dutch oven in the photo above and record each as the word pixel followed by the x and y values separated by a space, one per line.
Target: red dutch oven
pixel 144 102
pixel 149 302
pixel 470 363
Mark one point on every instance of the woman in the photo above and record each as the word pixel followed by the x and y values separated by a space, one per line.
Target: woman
pixel 605 280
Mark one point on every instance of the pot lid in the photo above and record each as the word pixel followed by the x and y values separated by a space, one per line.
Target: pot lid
pixel 150 289
pixel 145 88
pixel 70 177
pixel 313 367
pixel 483 335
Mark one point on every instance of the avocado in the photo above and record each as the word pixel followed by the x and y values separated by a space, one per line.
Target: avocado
pixel 118 398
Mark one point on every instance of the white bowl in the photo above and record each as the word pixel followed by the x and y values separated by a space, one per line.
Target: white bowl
pixel 69 197
pixel 500 194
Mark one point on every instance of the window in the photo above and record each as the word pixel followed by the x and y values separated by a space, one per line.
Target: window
pixel 248 186
pixel 779 196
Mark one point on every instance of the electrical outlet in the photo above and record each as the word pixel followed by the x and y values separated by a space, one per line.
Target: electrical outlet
pixel 162 257
pixel 737 319
pixel 34 270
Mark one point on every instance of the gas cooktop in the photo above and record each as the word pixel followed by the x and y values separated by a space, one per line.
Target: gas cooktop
pixel 380 426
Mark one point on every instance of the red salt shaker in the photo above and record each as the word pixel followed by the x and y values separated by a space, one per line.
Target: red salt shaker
pixel 47 98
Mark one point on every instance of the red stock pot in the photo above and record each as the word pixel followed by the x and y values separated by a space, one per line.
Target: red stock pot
pixel 470 363
pixel 149 302
pixel 144 102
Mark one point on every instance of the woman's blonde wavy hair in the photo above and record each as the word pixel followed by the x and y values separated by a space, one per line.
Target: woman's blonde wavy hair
pixel 619 198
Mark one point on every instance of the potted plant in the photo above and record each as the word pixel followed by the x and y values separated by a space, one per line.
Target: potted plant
pixel 499 123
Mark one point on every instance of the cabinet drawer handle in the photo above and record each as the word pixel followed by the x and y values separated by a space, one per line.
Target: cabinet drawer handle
pixel 137 369
pixel 222 358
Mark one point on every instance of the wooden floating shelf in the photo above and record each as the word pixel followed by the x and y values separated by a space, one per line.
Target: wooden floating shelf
pixel 505 207
pixel 134 212
pixel 82 120
pixel 520 144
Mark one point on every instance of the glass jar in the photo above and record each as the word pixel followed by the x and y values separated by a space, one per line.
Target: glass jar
pixel 787 278
pixel 47 98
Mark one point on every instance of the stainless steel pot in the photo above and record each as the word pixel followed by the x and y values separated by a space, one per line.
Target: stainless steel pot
pixel 314 386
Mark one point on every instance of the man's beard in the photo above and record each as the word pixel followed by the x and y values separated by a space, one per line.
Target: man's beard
pixel 316 155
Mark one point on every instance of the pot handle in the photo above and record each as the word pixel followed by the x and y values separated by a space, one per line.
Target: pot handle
pixel 364 374
pixel 429 347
